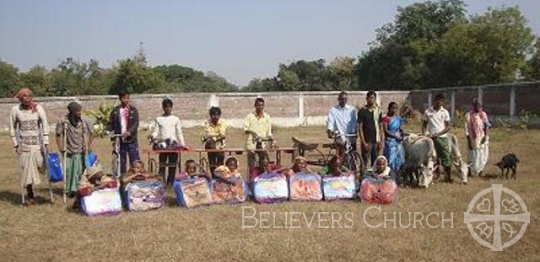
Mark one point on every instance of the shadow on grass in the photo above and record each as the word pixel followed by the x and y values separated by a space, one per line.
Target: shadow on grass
pixel 16 198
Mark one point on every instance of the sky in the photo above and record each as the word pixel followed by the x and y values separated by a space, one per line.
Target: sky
pixel 237 39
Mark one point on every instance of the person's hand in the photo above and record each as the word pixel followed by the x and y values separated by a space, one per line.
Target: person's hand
pixel 434 136
pixel 126 134
pixel 483 140
pixel 45 149
pixel 366 146
pixel 18 150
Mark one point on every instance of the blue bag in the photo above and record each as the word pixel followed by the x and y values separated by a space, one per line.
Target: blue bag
pixel 54 167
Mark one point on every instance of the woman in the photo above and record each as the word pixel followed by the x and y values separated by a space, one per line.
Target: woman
pixel 476 130
pixel 335 167
pixel 393 147
pixel 378 186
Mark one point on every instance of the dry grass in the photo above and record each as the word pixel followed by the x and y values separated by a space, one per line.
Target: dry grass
pixel 52 233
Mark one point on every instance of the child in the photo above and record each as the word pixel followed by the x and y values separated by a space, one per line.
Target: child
pixel 300 165
pixel 137 173
pixel 191 171
pixel 228 184
pixel 168 128
pixel 264 166
pixel 229 172
pixel 93 179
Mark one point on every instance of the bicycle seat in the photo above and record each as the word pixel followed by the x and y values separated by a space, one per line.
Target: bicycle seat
pixel 304 145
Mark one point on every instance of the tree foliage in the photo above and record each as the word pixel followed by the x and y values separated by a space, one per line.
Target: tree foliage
pixel 433 45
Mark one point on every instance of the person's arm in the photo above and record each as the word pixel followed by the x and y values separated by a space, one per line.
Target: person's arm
pixel 381 134
pixel 179 133
pixel 44 127
pixel 90 130
pixel 133 126
pixel 269 133
pixel 330 124
pixel 361 128
pixel 155 130
pixel 466 126
pixel 112 119
pixel 13 126
pixel 222 131
pixel 247 127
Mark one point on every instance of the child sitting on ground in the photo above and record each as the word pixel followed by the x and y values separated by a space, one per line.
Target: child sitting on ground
pixel 300 165
pixel 191 171
pixel 264 166
pixel 335 167
pixel 228 184
pixel 137 173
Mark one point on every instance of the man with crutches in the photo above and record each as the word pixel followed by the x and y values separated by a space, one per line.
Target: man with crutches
pixel 71 137
pixel 29 132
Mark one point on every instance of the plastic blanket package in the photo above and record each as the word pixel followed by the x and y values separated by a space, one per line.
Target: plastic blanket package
pixel 378 191
pixel 270 188
pixel 54 167
pixel 102 202
pixel 226 193
pixel 193 192
pixel 305 187
pixel 144 195
pixel 338 187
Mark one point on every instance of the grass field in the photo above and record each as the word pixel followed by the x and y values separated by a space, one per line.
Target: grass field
pixel 53 233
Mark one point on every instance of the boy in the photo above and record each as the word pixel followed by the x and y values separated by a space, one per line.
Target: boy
pixel 214 138
pixel 168 128
pixel 436 125
pixel 124 121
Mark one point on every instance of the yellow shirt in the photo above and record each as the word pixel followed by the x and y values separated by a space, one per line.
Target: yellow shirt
pixel 261 126
pixel 218 129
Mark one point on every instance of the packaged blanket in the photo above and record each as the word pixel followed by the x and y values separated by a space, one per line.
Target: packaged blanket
pixel 193 192
pixel 144 195
pixel 305 187
pixel 270 187
pixel 102 202
pixel 378 190
pixel 338 187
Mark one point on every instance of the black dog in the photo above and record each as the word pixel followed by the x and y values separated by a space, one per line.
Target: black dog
pixel 508 162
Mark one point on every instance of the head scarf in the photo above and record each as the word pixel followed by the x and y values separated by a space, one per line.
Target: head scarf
pixel 26 91
pixel 386 170
pixel 72 108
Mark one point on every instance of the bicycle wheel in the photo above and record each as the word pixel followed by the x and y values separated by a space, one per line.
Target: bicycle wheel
pixel 355 164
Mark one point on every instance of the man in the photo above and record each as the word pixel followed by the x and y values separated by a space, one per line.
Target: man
pixel 214 138
pixel 168 128
pixel 77 134
pixel 436 125
pixel 476 130
pixel 257 126
pixel 29 132
pixel 124 121
pixel 370 129
pixel 342 118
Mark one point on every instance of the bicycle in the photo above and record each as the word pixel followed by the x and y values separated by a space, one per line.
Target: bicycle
pixel 351 159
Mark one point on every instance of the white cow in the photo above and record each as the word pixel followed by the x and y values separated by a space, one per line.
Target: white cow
pixel 420 152
pixel 457 159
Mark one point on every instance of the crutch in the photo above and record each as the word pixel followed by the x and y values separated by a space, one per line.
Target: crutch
pixel 45 155
pixel 64 160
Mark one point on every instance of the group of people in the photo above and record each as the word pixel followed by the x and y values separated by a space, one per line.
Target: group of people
pixel 382 134
pixel 380 139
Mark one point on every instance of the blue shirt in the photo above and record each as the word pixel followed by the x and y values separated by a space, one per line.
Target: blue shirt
pixel 342 119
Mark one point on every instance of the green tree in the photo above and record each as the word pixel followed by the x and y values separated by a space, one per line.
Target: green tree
pixel 135 76
pixel 9 79
pixel 39 79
